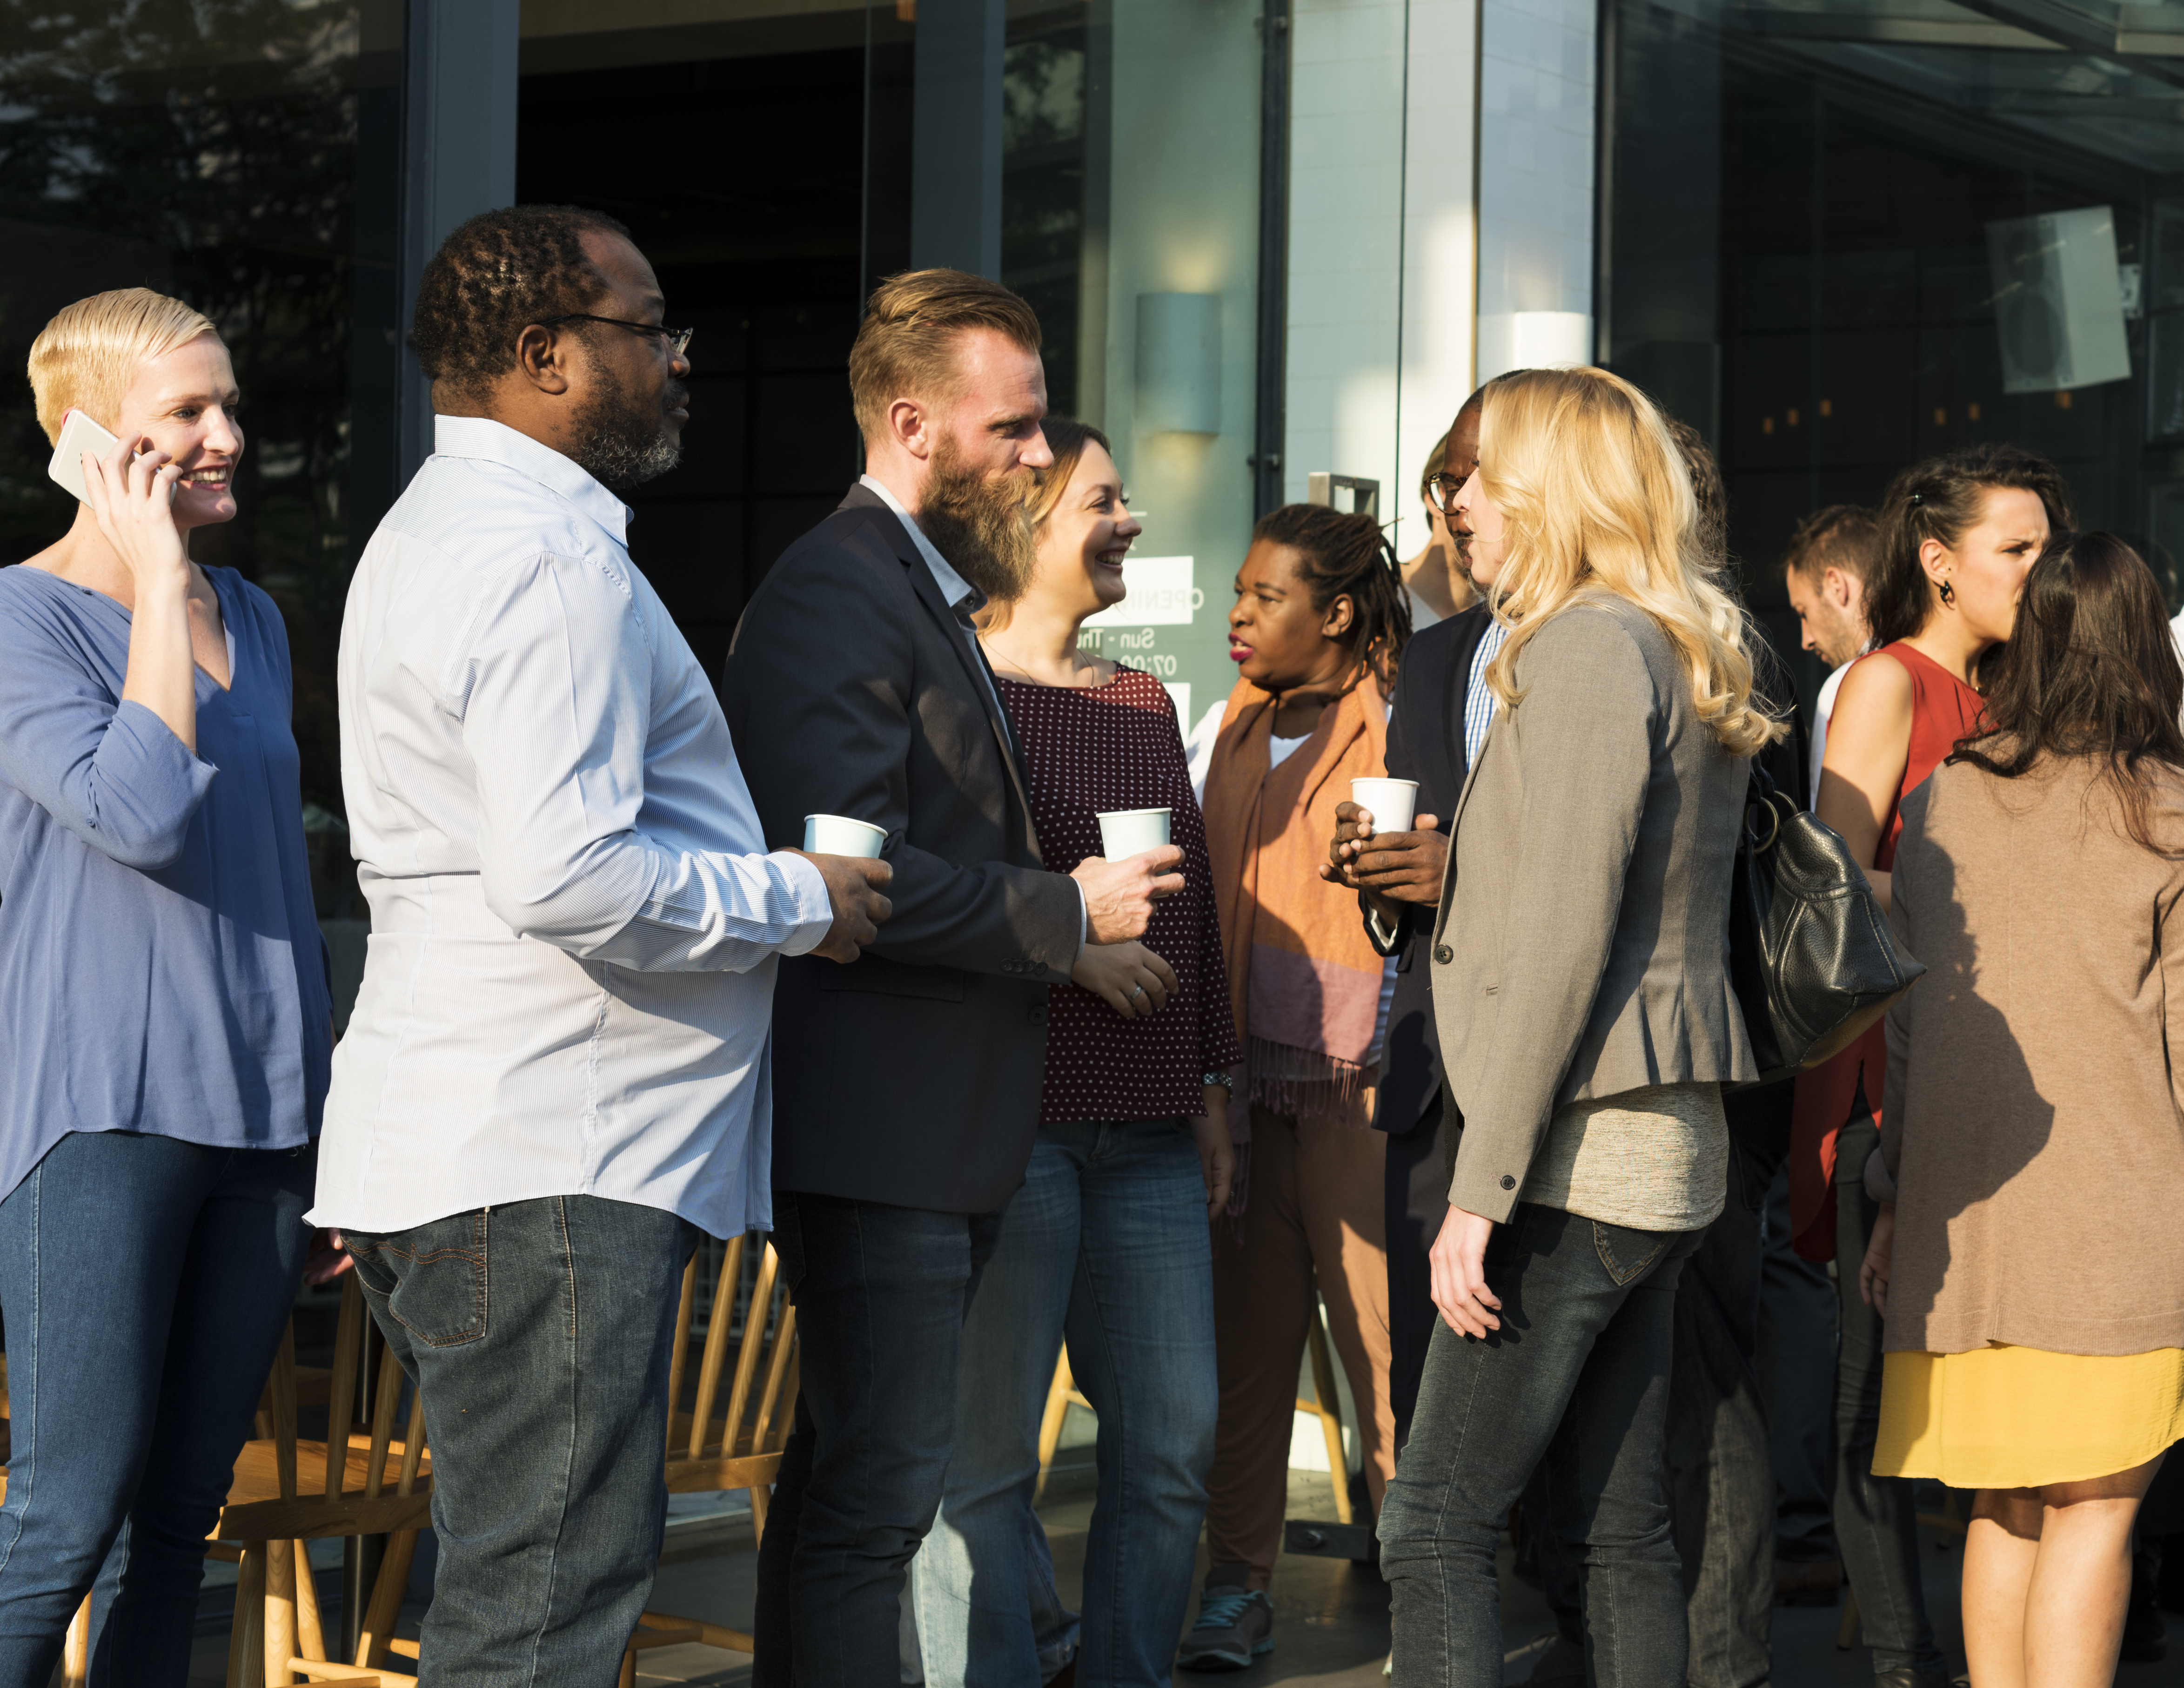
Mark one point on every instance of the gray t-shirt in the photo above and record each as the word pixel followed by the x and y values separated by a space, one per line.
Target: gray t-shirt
pixel 1654 1159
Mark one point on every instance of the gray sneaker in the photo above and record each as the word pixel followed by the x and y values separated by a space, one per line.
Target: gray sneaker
pixel 1235 1625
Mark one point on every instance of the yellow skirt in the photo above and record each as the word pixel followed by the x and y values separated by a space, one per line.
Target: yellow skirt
pixel 2004 1418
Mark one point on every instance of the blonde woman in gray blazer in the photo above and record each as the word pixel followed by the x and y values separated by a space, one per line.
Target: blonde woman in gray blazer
pixel 1580 982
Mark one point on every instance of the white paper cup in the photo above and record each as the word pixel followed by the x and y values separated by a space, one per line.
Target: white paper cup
pixel 837 834
pixel 1132 832
pixel 1393 802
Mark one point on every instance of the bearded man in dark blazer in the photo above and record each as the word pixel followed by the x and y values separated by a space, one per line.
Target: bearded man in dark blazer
pixel 906 1086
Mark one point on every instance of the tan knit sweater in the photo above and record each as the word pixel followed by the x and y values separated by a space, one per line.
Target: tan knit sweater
pixel 2032 1120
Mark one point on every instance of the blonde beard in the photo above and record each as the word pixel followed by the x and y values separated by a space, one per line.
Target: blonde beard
pixel 981 524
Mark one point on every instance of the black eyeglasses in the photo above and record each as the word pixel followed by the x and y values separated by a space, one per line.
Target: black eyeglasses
pixel 678 339
pixel 1442 488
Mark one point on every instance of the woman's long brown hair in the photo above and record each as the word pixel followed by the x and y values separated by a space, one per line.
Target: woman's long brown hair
pixel 2091 670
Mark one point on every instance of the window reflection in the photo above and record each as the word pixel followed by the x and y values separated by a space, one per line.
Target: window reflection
pixel 211 151
pixel 1843 234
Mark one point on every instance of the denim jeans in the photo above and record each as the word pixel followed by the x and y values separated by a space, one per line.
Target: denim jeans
pixel 1876 1518
pixel 1797 1377
pixel 537 1334
pixel 881 1295
pixel 1107 1243
pixel 1417 1202
pixel 146 1283
pixel 1579 1374
pixel 1721 1480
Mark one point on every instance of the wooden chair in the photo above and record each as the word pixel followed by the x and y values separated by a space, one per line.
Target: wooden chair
pixel 268 1516
pixel 740 1448
pixel 1061 1396
pixel 288 1492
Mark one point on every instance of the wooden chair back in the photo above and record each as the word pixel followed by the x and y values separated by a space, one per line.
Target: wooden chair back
pixel 288 1492
pixel 733 1438
pixel 739 1445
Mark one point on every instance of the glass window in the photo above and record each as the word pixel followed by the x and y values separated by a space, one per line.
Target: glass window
pixel 240 154
pixel 1842 236
pixel 1123 135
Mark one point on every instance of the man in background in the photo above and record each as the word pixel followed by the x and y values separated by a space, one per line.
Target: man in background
pixel 1829 559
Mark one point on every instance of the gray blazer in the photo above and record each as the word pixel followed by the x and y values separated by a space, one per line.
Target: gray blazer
pixel 1581 948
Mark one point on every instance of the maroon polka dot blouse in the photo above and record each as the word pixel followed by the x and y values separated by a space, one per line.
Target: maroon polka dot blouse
pixel 1117 747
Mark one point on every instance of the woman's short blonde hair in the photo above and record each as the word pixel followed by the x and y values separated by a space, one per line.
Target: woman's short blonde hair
pixel 86 357
pixel 1596 497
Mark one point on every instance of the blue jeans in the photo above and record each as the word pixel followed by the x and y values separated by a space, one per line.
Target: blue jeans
pixel 1108 1243
pixel 146 1283
pixel 881 1295
pixel 1579 1374
pixel 537 1334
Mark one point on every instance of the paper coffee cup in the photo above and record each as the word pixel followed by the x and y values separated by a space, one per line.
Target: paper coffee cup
pixel 1393 802
pixel 1132 832
pixel 837 834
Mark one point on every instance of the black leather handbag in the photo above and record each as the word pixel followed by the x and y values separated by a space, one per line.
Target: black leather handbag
pixel 1811 956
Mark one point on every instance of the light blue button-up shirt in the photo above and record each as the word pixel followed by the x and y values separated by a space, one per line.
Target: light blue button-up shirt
pixel 570 984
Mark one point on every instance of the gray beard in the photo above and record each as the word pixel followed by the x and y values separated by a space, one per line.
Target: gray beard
pixel 621 440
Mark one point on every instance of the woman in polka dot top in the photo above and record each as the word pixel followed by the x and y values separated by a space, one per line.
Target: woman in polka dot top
pixel 1107 1241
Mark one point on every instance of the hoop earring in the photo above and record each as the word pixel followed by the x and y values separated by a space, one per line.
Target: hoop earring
pixel 1948 594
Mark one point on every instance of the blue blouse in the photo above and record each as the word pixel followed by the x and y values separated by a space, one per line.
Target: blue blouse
pixel 161 968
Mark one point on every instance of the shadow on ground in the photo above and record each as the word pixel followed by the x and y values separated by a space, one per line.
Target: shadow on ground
pixel 1331 1625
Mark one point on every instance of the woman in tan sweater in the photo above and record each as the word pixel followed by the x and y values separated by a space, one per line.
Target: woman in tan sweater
pixel 2032 1269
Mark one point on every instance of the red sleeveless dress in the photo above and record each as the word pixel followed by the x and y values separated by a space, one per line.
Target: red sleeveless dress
pixel 1943 710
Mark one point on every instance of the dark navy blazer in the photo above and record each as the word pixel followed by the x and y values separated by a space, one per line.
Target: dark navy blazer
pixel 1425 743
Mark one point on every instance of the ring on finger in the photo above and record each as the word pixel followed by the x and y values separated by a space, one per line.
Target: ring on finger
pixel 1136 991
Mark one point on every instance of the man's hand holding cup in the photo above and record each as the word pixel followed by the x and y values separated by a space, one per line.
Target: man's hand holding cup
pixel 1119 895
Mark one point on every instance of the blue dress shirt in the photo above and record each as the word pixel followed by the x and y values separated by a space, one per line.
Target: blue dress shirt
pixel 161 968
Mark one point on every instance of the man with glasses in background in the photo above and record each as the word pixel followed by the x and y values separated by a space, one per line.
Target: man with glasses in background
pixel 558 1072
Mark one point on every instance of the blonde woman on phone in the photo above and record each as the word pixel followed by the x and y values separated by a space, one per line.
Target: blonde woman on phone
pixel 1587 1023
pixel 165 1028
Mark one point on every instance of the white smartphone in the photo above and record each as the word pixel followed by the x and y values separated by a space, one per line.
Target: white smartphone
pixel 78 434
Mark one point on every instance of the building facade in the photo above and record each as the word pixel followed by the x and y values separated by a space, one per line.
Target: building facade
pixel 1267 239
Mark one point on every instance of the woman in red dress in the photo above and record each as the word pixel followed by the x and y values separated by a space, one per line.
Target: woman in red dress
pixel 1107 1241
pixel 1960 533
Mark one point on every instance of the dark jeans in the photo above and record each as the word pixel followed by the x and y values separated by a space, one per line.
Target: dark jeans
pixel 1721 1482
pixel 145 1282
pixel 1796 1379
pixel 1876 1518
pixel 1578 1373
pixel 537 1334
pixel 1417 1202
pixel 881 1294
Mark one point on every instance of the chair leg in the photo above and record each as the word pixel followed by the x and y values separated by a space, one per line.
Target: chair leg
pixel 1049 1423
pixel 1330 1408
pixel 246 1639
pixel 75 1656
pixel 762 1498
pixel 628 1677
pixel 383 1609
pixel 311 1637
pixel 1846 1635
pixel 279 1613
